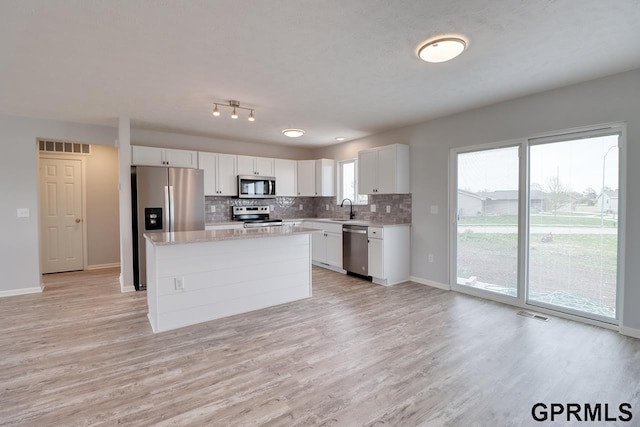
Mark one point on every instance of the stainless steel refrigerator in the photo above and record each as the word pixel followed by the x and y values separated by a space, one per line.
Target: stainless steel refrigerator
pixel 164 199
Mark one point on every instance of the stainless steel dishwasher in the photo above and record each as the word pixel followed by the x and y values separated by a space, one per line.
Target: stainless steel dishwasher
pixel 355 249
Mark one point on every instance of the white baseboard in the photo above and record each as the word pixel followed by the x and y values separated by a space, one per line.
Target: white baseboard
pixel 431 283
pixel 329 267
pixel 24 291
pixel 630 332
pixel 101 266
pixel 123 288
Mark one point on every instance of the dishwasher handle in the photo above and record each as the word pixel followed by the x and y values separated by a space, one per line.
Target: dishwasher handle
pixel 349 230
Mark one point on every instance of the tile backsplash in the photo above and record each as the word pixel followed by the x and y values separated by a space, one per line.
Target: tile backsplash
pixel 316 207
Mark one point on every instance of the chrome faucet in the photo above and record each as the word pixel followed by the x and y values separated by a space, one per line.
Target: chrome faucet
pixel 351 213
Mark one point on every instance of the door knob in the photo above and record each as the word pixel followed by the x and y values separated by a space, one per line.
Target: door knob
pixel 78 220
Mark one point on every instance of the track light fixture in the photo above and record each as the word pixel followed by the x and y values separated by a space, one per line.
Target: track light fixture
pixel 234 114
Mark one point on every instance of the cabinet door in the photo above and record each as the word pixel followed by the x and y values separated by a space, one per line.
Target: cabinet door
pixel 246 165
pixel 367 171
pixel 387 165
pixel 226 177
pixel 375 258
pixel 319 247
pixel 325 177
pixel 306 178
pixel 334 249
pixel 286 177
pixel 181 158
pixel 264 166
pixel 147 156
pixel 207 162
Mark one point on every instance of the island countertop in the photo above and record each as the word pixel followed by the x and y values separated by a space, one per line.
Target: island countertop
pixel 183 237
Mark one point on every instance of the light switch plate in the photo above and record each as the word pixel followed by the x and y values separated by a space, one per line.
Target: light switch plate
pixel 373 208
pixel 179 283
pixel 300 207
pixel 23 213
pixel 434 209
pixel 388 209
pixel 327 206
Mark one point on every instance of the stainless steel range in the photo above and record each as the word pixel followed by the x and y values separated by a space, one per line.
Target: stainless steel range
pixel 255 216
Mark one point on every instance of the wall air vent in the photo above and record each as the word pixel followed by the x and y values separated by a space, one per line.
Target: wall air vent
pixel 63 147
pixel 533 316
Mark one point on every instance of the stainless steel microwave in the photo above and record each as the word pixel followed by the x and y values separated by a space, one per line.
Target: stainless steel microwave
pixel 256 187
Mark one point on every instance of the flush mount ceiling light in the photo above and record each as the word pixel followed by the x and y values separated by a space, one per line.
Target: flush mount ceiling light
pixel 293 133
pixel 234 114
pixel 442 49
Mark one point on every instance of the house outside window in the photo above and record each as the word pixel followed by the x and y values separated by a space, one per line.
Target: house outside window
pixel 348 182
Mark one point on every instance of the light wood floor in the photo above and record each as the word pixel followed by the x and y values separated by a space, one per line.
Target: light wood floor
pixel 355 354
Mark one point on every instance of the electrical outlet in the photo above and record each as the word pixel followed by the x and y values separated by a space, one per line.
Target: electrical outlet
pixel 300 207
pixel 430 257
pixel 434 209
pixel 23 213
pixel 327 206
pixel 178 283
pixel 212 208
pixel 372 208
pixel 388 209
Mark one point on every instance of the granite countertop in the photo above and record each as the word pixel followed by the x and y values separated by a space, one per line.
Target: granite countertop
pixel 328 220
pixel 182 237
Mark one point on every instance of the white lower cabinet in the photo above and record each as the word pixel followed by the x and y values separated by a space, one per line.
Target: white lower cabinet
pixel 375 258
pixel 326 246
pixel 334 249
pixel 389 254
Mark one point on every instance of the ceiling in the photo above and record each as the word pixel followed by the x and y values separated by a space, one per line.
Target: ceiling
pixel 332 67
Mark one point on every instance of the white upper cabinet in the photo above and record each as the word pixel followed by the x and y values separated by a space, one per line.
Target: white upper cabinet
pixel 153 156
pixel 306 178
pixel 262 166
pixel 286 173
pixel 220 177
pixel 384 170
pixel 325 177
pixel 316 178
pixel 181 158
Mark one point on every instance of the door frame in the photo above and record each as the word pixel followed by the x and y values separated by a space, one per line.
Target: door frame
pixel 83 189
pixel 523 222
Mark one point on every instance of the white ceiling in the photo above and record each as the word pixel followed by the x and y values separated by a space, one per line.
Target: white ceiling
pixel 333 67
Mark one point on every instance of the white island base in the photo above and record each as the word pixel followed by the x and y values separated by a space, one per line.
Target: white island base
pixel 195 277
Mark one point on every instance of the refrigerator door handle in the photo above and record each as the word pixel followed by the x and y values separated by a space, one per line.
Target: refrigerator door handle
pixel 172 213
pixel 167 212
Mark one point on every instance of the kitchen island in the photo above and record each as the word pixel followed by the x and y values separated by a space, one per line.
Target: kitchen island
pixel 197 276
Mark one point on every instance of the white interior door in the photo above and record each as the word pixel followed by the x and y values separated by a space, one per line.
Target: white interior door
pixel 61 215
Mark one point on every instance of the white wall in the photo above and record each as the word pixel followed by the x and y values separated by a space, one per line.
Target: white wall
pixel 19 256
pixel 609 99
pixel 103 242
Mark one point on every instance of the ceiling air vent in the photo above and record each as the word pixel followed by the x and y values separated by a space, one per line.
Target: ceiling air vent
pixel 53 146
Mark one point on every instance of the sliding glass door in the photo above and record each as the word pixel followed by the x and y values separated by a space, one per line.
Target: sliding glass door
pixel 573 225
pixel 536 223
pixel 487 220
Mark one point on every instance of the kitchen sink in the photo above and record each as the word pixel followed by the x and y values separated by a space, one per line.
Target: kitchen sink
pixel 339 219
